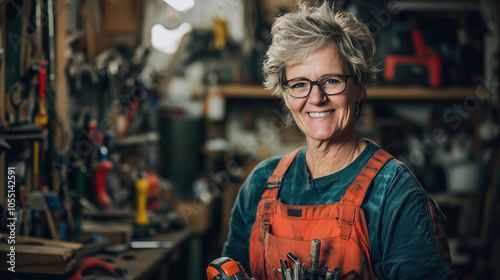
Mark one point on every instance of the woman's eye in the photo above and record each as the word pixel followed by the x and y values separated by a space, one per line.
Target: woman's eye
pixel 298 85
pixel 332 81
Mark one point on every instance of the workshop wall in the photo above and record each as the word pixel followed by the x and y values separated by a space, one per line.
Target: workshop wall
pixel 155 115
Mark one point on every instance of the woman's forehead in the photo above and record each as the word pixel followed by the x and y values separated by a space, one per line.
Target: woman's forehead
pixel 326 60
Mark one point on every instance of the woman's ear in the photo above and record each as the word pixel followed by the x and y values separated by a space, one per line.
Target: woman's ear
pixel 361 94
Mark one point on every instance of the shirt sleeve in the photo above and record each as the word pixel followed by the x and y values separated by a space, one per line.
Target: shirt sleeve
pixel 244 212
pixel 237 246
pixel 413 242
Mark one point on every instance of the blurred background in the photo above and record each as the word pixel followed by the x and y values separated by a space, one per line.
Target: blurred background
pixel 128 126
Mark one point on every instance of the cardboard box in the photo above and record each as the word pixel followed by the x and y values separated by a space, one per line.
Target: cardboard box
pixel 38 255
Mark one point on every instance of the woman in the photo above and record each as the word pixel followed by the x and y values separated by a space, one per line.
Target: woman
pixel 371 215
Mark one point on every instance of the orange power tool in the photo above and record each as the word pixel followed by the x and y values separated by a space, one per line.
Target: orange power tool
pixel 226 269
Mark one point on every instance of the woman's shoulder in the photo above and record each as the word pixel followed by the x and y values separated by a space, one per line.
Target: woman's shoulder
pixel 396 175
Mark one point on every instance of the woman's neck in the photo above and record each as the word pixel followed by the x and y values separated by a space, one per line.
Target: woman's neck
pixel 323 159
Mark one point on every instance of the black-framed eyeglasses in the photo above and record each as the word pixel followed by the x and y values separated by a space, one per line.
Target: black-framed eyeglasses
pixel 329 85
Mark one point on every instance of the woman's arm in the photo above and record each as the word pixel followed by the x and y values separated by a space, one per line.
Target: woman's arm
pixel 412 238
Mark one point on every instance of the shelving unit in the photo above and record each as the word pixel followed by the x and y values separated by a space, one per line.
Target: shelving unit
pixel 385 92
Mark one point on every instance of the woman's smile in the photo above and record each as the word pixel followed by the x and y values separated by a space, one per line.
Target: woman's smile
pixel 320 115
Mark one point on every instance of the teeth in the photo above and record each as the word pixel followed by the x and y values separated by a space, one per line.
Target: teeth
pixel 319 115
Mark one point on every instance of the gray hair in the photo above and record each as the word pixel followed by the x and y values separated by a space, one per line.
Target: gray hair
pixel 296 35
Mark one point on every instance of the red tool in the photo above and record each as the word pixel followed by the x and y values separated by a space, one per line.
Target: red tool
pixel 102 198
pixel 154 191
pixel 94 263
pixel 42 119
pixel 226 269
pixel 424 56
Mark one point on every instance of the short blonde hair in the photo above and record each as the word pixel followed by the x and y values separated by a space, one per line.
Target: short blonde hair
pixel 296 35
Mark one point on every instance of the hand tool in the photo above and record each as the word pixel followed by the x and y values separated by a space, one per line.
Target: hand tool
pixel 154 191
pixel 336 273
pixel 141 187
pixel 322 272
pixel 36 201
pixel 41 118
pixel 102 198
pixel 284 266
pixel 226 269
pixel 95 263
pixel 288 274
pixel 314 264
pixel 303 272
pixel 329 275
pixel 292 257
pixel 296 270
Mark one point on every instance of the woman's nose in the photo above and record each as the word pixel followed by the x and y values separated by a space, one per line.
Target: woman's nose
pixel 316 96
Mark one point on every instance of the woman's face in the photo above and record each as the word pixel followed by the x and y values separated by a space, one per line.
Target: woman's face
pixel 322 117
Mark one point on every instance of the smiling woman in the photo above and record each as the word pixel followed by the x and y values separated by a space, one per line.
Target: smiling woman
pixel 369 213
pixel 324 117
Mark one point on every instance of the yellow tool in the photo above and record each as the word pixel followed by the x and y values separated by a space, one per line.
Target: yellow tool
pixel 141 187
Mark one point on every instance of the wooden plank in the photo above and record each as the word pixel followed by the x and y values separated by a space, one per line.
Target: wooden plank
pixel 61 85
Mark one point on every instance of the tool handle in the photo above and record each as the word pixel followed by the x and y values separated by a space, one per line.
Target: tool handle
pixel 314 264
pixel 92 263
pixel 102 170
pixel 142 186
pixel 42 80
pixel 336 273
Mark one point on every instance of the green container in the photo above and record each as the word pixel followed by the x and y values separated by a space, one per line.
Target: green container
pixel 180 148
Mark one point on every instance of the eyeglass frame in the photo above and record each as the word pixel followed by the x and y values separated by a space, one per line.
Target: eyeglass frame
pixel 312 83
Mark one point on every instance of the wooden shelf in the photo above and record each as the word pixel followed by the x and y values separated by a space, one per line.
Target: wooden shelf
pixel 246 91
pixel 421 93
pixel 402 93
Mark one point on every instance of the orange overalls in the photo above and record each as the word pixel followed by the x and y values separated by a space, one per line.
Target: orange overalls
pixel 341 227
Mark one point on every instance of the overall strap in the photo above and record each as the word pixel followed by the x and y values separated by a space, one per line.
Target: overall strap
pixel 274 182
pixel 355 194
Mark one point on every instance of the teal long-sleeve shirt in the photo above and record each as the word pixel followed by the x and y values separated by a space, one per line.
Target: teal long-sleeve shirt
pixel 400 226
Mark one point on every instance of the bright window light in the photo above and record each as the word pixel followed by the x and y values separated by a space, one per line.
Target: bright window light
pixel 168 40
pixel 181 5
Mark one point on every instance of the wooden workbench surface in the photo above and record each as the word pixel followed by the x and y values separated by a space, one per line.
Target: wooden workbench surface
pixel 142 264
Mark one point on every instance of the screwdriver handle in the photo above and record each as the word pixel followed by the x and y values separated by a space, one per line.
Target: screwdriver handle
pixel 102 170
pixel 142 186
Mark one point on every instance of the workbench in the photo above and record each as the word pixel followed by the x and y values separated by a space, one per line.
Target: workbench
pixel 149 264
pixel 141 264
